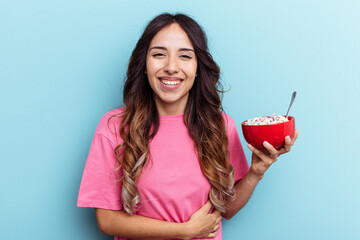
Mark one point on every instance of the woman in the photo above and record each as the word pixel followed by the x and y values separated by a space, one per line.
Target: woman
pixel 168 164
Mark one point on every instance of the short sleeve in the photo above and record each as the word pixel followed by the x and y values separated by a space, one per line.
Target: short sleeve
pixel 98 188
pixel 236 152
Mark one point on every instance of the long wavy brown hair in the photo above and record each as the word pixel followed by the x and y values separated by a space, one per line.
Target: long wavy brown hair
pixel 202 116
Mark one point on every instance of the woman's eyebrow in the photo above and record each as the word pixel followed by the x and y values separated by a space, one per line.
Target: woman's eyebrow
pixel 164 48
pixel 186 49
pixel 158 47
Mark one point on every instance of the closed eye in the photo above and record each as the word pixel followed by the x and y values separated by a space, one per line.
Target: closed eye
pixel 186 56
pixel 158 55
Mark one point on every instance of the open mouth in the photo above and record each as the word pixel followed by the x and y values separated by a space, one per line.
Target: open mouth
pixel 170 83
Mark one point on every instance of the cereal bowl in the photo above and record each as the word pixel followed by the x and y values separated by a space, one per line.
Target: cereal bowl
pixel 272 133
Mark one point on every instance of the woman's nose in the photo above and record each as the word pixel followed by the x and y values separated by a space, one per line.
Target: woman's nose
pixel 172 65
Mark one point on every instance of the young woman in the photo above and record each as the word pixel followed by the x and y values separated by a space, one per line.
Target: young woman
pixel 169 163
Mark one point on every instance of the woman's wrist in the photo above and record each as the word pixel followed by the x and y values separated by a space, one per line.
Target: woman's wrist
pixel 253 177
pixel 186 232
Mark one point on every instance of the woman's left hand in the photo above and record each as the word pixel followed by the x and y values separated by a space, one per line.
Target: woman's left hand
pixel 261 160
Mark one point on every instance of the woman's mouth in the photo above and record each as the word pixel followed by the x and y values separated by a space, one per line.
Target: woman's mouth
pixel 170 83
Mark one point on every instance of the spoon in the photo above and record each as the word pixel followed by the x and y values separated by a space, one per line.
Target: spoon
pixel 291 103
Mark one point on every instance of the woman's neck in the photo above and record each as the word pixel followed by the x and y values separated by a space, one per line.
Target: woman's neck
pixel 165 109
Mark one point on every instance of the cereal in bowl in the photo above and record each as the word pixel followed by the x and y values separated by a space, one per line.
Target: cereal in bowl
pixel 273 119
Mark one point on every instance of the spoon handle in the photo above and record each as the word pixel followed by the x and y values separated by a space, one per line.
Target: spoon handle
pixel 291 103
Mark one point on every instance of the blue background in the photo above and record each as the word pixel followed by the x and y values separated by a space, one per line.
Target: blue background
pixel 62 65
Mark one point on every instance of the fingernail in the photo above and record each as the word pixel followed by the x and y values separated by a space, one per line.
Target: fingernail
pixel 288 138
pixel 249 146
pixel 266 143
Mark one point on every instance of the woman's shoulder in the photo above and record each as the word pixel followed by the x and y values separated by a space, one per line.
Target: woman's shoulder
pixel 230 124
pixel 109 124
pixel 115 111
pixel 229 121
pixel 112 116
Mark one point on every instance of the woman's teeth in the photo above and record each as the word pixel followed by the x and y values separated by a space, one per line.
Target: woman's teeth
pixel 171 83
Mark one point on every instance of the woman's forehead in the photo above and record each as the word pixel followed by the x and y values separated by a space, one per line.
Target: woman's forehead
pixel 172 36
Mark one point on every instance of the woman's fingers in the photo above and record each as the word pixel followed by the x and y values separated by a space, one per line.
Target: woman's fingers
pixel 256 151
pixel 202 223
pixel 262 159
pixel 213 234
pixel 217 226
pixel 207 206
pixel 289 143
pixel 262 156
pixel 273 152
pixel 217 213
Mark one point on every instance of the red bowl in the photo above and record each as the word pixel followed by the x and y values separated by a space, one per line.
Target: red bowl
pixel 273 133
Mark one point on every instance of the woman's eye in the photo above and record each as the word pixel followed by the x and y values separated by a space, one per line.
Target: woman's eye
pixel 158 55
pixel 186 56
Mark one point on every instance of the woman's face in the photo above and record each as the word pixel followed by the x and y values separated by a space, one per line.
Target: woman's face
pixel 171 69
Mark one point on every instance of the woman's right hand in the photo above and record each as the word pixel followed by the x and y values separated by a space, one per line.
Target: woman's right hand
pixel 203 224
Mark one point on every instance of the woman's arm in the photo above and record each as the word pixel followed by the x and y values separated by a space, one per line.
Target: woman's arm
pixel 118 223
pixel 260 162
pixel 244 189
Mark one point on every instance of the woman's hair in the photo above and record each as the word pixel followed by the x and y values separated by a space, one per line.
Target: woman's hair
pixel 202 116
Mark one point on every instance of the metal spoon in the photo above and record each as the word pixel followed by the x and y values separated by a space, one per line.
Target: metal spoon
pixel 291 103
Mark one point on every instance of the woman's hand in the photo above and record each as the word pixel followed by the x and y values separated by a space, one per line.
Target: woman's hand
pixel 203 224
pixel 262 159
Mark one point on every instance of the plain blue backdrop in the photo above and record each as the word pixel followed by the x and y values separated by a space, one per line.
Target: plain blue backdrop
pixel 62 65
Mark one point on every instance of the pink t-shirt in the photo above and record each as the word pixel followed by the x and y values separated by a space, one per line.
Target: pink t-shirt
pixel 172 186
